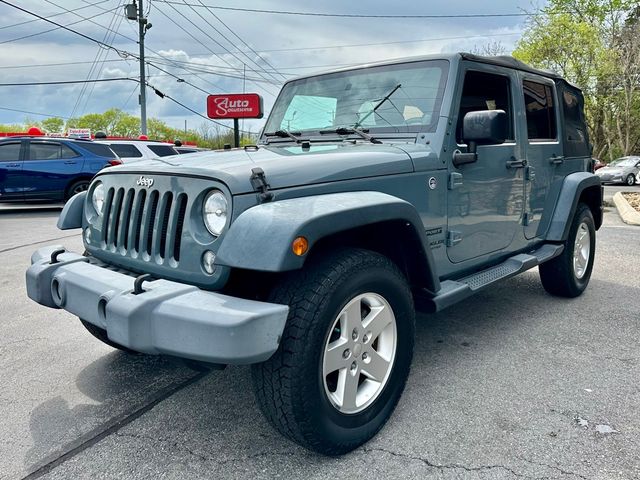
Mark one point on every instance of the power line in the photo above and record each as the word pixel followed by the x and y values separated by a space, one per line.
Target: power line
pixel 68 82
pixel 33 113
pixel 352 15
pixel 51 29
pixel 197 40
pixel 241 40
pixel 54 15
pixel 164 95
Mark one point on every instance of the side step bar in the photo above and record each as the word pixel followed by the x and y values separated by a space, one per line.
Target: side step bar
pixel 452 291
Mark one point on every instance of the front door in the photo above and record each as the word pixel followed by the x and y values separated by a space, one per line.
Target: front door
pixel 485 198
pixel 11 185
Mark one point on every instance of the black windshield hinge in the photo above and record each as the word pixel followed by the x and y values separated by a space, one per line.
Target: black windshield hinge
pixel 260 185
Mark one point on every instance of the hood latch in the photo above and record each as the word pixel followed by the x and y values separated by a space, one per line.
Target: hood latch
pixel 260 185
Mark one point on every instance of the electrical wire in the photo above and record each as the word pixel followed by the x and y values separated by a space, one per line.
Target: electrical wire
pixel 33 113
pixel 352 15
pixel 198 41
pixel 11 40
pixel 68 82
pixel 54 15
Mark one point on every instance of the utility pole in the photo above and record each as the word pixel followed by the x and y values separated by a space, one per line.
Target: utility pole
pixel 143 26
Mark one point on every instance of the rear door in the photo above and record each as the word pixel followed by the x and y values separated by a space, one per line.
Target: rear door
pixel 546 166
pixel 11 158
pixel 49 168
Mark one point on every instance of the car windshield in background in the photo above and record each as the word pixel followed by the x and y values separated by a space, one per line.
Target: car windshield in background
pixel 347 99
pixel 162 150
pixel 99 149
pixel 625 162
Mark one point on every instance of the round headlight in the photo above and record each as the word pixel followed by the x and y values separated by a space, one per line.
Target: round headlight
pixel 97 198
pixel 215 212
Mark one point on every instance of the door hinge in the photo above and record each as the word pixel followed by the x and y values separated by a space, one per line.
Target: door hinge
pixel 527 218
pixel 529 174
pixel 455 180
pixel 453 238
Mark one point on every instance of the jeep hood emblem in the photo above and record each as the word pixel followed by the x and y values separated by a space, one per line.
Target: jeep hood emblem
pixel 144 182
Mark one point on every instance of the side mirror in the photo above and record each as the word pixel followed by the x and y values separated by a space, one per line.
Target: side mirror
pixel 485 127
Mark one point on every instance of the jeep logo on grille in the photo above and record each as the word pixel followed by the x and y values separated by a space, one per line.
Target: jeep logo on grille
pixel 144 182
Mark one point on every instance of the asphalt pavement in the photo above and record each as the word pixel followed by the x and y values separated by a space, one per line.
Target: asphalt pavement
pixel 511 384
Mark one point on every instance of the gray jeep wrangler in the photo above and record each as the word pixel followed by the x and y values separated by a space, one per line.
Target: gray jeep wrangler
pixel 373 192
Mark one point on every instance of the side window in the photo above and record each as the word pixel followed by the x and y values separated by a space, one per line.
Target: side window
pixel 540 108
pixel 575 135
pixel 126 150
pixel 44 151
pixel 485 91
pixel 67 152
pixel 10 152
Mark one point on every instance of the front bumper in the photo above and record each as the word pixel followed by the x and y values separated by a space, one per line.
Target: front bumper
pixel 166 318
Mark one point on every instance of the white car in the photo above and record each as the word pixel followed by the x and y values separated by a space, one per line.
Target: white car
pixel 135 150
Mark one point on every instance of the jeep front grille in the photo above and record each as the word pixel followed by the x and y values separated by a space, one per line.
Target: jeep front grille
pixel 144 224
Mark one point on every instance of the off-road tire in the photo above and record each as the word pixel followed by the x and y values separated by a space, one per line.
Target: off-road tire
pixel 289 386
pixel 101 334
pixel 558 275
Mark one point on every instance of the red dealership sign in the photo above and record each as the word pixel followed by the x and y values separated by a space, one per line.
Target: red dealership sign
pixel 242 105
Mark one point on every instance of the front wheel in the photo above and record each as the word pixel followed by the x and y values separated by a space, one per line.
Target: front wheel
pixel 568 274
pixel 345 353
pixel 631 179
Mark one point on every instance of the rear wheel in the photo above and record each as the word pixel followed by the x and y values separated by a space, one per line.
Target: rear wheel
pixel 101 334
pixel 345 353
pixel 76 187
pixel 631 179
pixel 568 274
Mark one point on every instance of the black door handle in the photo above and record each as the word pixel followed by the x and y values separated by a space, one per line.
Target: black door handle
pixel 13 165
pixel 513 163
pixel 556 160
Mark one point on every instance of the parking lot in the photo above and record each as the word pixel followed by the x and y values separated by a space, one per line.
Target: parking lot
pixel 512 383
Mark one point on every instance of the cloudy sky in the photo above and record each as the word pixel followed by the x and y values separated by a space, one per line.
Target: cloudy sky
pixel 216 50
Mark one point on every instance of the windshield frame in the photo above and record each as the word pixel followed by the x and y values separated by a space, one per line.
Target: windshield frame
pixel 395 131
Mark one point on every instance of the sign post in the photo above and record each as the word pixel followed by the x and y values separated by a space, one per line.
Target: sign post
pixel 235 106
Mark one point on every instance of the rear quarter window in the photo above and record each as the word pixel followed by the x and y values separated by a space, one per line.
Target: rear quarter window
pixel 99 149
pixel 126 150
pixel 162 150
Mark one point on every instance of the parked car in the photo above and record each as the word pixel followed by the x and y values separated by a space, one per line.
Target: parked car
pixel 621 170
pixel 49 169
pixel 137 150
pixel 374 191
pixel 597 164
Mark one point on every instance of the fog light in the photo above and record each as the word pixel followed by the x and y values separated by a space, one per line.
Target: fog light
pixel 207 262
pixel 87 235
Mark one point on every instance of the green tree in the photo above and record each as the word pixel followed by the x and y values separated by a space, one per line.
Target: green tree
pixel 585 41
pixel 52 125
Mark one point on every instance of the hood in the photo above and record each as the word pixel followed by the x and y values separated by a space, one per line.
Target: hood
pixel 284 166
pixel 610 170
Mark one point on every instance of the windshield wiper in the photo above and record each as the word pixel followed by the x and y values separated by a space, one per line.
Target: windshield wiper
pixel 378 105
pixel 285 134
pixel 351 131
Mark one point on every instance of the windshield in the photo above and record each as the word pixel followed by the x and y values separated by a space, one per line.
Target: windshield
pixel 347 99
pixel 624 162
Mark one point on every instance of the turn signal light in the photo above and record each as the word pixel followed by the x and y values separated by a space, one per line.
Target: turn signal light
pixel 300 246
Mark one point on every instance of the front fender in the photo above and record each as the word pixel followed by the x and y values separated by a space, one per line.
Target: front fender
pixel 71 216
pixel 577 185
pixel 261 237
